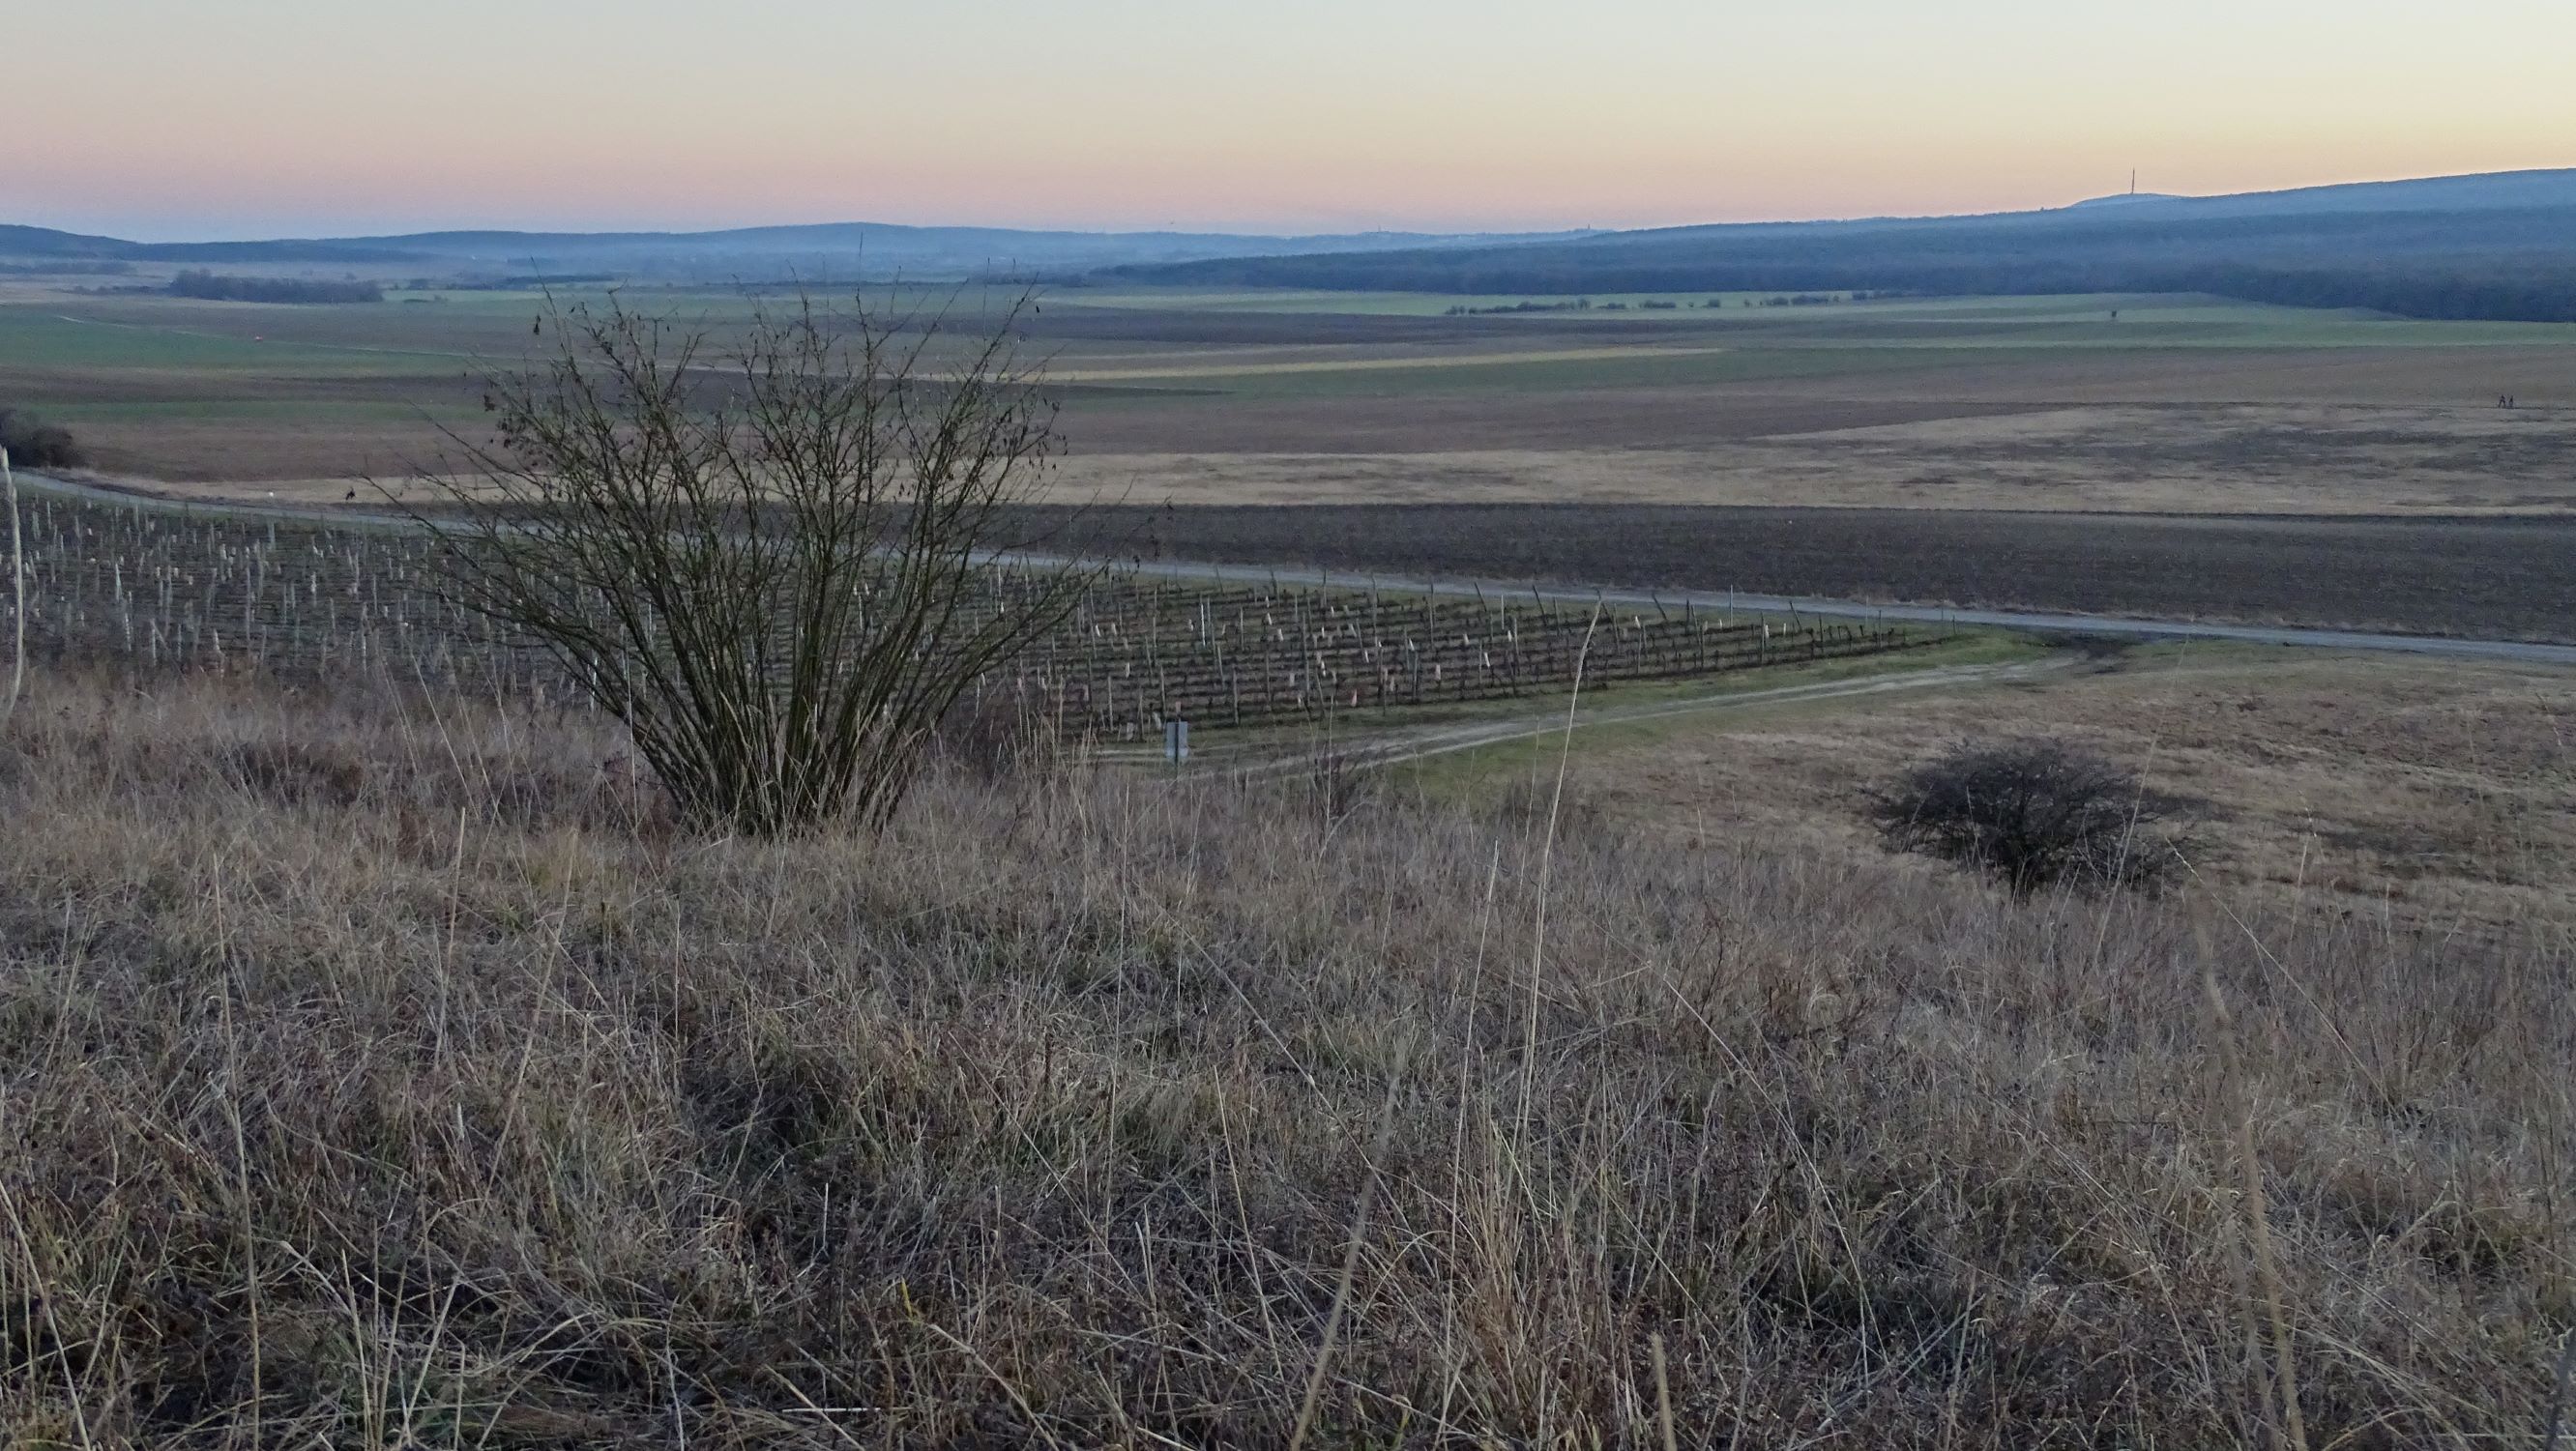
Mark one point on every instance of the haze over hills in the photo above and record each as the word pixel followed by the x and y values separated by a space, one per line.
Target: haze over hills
pixel 2494 246
pixel 2499 246
pixel 847 249
pixel 2484 192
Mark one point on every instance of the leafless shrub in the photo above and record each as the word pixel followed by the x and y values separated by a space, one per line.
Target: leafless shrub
pixel 771 561
pixel 2030 813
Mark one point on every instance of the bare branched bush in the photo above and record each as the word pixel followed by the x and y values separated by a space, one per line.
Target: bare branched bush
pixel 774 560
pixel 2031 813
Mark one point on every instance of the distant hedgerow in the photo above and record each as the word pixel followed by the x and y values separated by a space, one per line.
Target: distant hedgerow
pixel 219 287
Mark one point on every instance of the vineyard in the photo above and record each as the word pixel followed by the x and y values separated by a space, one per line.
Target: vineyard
pixel 306 599
pixel 1138 653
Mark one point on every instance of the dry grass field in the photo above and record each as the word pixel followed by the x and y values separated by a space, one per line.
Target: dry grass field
pixel 386 1071
pixel 2433 792
pixel 2165 459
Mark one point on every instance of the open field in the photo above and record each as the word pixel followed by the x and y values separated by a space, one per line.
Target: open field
pixel 2511 577
pixel 384 1070
pixel 2247 407
pixel 1984 415
pixel 2218 459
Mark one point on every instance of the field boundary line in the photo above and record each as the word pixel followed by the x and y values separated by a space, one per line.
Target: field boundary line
pixel 1423 743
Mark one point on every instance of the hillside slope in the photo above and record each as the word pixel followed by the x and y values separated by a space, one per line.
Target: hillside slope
pixel 2496 247
pixel 842 249
pixel 381 1071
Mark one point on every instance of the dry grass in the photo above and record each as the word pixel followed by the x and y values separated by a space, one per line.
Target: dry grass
pixel 380 1075
pixel 2434 790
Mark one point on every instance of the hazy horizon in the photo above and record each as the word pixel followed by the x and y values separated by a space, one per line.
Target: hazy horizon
pixel 158 121
pixel 1282 230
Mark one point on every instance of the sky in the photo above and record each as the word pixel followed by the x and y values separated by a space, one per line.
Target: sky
pixel 180 119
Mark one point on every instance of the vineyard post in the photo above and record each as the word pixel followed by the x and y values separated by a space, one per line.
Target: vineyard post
pixel 18 587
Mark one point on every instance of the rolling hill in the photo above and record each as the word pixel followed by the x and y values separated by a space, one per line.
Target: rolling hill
pixel 850 249
pixel 2498 246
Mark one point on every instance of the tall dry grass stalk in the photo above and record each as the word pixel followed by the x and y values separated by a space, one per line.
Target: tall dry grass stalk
pixel 18 590
pixel 2280 1401
pixel 374 1076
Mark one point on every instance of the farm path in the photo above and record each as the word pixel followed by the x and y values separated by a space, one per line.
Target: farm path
pixel 1394 747
pixel 185 332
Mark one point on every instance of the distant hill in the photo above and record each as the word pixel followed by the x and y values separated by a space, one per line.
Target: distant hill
pixel 2494 191
pixel 842 250
pixel 2500 246
pixel 2497 246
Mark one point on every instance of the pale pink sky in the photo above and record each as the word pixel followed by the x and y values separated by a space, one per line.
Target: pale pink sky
pixel 157 118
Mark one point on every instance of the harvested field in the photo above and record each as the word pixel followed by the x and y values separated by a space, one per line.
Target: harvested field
pixel 2175 459
pixel 2191 459
pixel 175 389
pixel 2502 577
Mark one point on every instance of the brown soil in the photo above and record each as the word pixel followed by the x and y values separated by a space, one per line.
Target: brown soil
pixel 2511 577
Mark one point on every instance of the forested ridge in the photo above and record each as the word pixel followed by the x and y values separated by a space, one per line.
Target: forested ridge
pixel 2504 264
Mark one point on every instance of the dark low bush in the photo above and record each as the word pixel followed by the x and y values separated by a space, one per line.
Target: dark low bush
pixel 2031 813
pixel 36 444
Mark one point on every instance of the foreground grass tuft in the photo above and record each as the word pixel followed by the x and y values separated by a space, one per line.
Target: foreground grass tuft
pixel 375 1074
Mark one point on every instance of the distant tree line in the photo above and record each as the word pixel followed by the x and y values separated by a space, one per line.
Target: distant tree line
pixel 224 287
pixel 1658 304
pixel 1580 304
pixel 517 283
